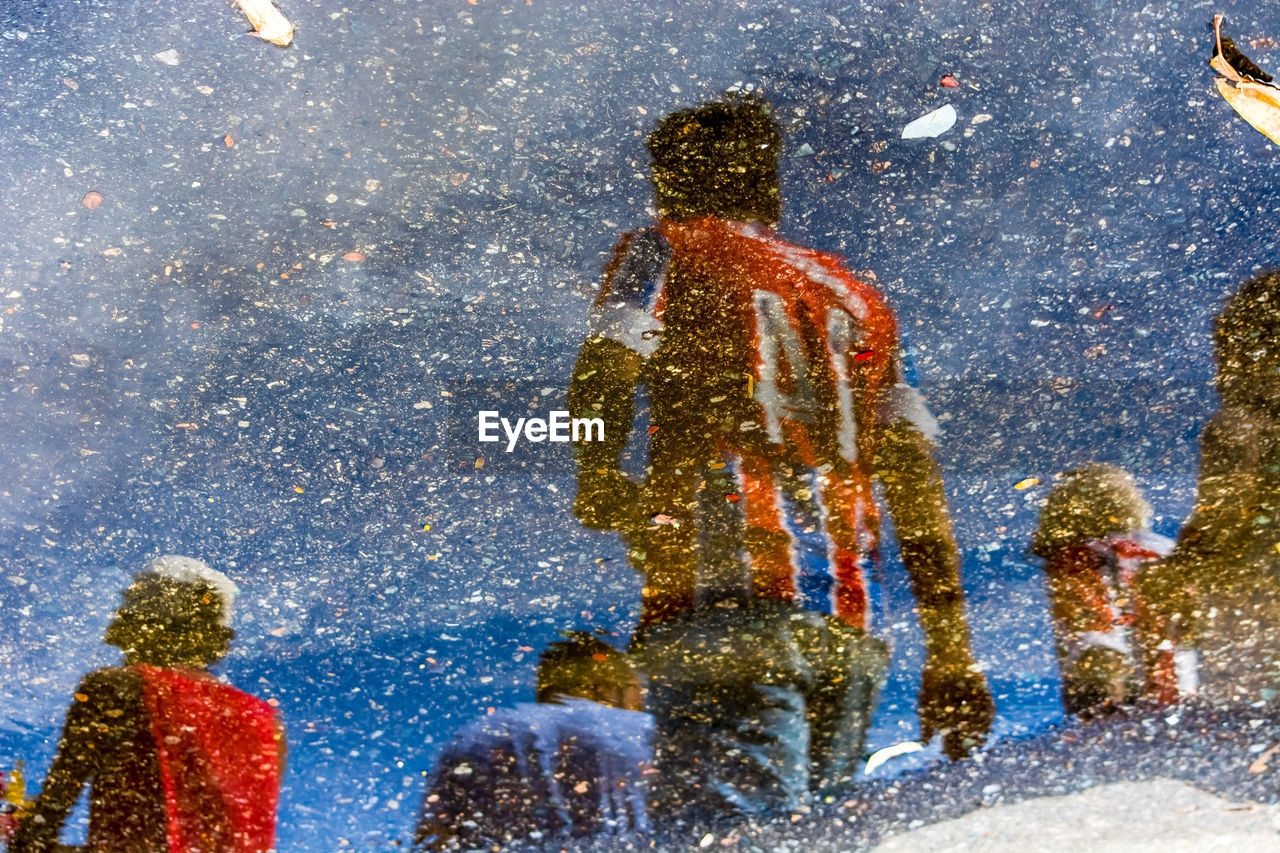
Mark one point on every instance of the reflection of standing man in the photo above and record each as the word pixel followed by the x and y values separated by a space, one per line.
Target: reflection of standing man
pixel 1222 582
pixel 775 396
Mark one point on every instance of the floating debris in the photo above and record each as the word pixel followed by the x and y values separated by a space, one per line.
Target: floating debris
pixel 880 756
pixel 168 57
pixel 1254 96
pixel 948 82
pixel 931 124
pixel 92 199
pixel 268 23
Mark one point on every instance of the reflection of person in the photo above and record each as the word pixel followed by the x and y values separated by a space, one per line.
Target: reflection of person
pixel 1095 538
pixel 1223 579
pixel 775 395
pixel 175 759
pixel 13 798
pixel 570 766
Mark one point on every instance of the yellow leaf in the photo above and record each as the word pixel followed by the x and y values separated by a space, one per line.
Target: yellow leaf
pixel 1255 100
pixel 268 23
pixel 1256 103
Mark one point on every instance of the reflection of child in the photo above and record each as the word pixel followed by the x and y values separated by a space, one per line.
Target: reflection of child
pixel 1095 540
pixel 571 766
pixel 175 760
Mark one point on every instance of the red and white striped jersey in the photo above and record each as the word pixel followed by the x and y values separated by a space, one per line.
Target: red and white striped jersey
pixel 767 368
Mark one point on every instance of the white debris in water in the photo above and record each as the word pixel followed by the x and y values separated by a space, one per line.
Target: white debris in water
pixel 880 756
pixel 168 57
pixel 931 124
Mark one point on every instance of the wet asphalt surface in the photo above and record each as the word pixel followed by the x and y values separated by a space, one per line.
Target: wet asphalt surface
pixel 192 366
pixel 1217 750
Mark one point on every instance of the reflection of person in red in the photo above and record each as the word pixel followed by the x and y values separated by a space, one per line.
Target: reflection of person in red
pixel 176 760
pixel 13 799
pixel 775 395
pixel 1095 538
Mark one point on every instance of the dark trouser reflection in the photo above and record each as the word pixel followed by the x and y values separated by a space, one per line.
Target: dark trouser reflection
pixel 756 704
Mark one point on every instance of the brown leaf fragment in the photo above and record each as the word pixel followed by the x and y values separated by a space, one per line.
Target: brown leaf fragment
pixel 1253 95
pixel 1225 49
pixel 92 199
pixel 268 23
pixel 1260 763
pixel 354 257
pixel 70 84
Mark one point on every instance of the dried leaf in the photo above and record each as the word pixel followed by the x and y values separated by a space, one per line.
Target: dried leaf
pixel 353 257
pixel 1260 763
pixel 92 199
pixel 1253 95
pixel 268 23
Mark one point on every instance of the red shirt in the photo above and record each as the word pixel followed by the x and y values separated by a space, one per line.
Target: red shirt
pixel 768 368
